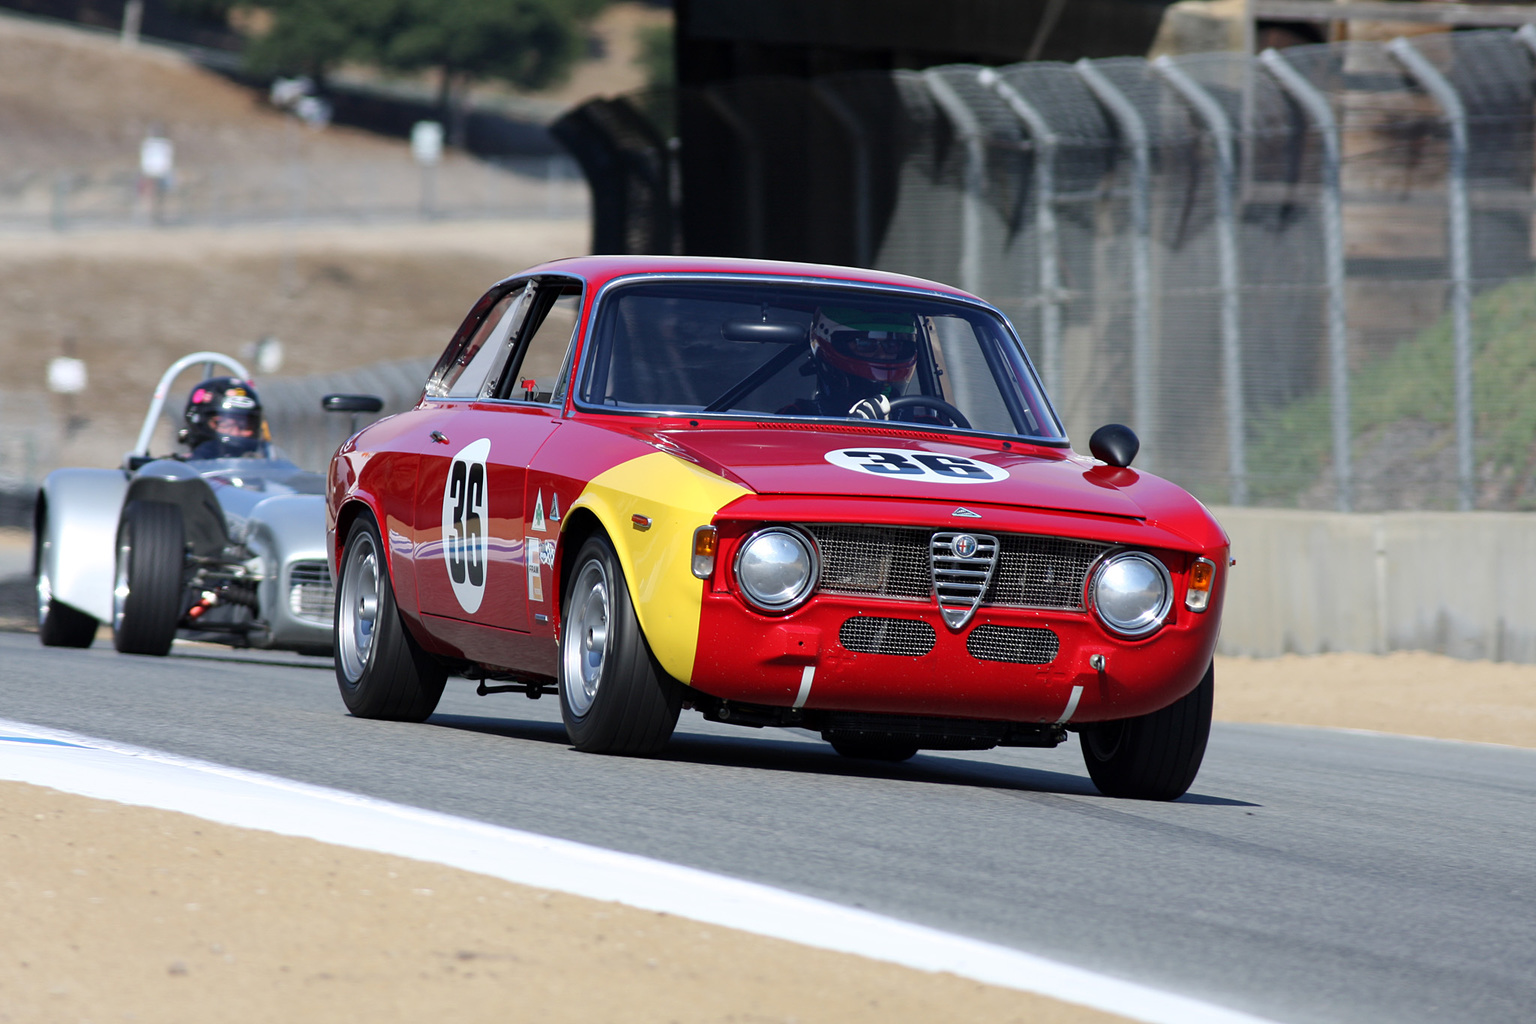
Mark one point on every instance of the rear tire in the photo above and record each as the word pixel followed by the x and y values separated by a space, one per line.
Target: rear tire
pixel 58 625
pixel 875 748
pixel 1156 756
pixel 381 670
pixel 614 696
pixel 149 583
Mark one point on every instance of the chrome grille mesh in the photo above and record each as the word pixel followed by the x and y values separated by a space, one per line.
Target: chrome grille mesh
pixel 866 634
pixel 1042 572
pixel 892 562
pixel 874 561
pixel 310 594
pixel 1017 644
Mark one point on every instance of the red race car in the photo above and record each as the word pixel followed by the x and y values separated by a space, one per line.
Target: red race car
pixel 777 494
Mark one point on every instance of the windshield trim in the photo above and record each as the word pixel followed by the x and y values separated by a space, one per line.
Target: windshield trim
pixel 584 361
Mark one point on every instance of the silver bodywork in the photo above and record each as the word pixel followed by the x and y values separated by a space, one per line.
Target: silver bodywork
pixel 259 522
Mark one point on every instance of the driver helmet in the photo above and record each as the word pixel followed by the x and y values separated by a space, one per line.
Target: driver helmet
pixel 223 420
pixel 860 354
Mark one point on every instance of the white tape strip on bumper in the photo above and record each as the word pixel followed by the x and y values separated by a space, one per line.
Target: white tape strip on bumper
pixel 111 771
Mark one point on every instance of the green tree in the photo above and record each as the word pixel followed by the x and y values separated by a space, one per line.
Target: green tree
pixel 313 36
pixel 527 43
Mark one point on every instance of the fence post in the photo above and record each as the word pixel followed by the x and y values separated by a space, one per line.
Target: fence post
pixel 1209 111
pixel 1317 108
pixel 752 171
pixel 1046 142
pixel 858 139
pixel 969 130
pixel 1429 77
pixel 1144 416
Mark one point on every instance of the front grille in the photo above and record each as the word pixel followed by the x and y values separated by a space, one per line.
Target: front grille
pixel 310 593
pixel 874 561
pixel 1042 572
pixel 960 576
pixel 1017 644
pixel 908 638
pixel 893 562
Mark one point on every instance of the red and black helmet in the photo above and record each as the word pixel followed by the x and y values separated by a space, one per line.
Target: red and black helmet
pixel 875 346
pixel 223 420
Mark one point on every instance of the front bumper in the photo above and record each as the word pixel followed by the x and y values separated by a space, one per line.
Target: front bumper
pixel 1010 664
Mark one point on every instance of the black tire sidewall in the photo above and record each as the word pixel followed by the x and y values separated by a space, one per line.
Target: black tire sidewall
pixel 156 540
pixel 1158 754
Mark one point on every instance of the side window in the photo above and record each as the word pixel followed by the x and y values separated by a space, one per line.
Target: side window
pixel 538 375
pixel 463 373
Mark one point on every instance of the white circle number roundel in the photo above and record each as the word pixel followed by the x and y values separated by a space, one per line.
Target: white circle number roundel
pixel 913 465
pixel 465 544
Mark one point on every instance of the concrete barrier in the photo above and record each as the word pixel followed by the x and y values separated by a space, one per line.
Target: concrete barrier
pixel 1457 583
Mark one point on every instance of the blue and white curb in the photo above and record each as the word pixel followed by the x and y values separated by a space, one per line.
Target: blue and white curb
pixel 111 771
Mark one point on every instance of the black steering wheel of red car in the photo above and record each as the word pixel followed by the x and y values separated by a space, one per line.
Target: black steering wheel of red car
pixel 938 405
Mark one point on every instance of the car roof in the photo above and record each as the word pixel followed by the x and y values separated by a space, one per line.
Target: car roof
pixel 599 270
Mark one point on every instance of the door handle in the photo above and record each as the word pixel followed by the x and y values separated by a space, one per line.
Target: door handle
pixel 439 437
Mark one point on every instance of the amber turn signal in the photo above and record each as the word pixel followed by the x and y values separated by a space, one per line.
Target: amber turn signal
pixel 705 541
pixel 1202 576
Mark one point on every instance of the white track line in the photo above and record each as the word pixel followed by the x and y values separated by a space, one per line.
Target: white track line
pixel 132 775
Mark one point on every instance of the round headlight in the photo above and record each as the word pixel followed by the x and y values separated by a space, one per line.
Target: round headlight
pixel 1131 593
pixel 776 569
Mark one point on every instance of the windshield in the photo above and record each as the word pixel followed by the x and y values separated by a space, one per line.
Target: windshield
pixel 765 349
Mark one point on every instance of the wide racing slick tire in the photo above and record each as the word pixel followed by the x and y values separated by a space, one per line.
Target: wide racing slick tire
pixel 614 696
pixel 1155 756
pixel 149 581
pixel 381 670
pixel 875 748
pixel 58 625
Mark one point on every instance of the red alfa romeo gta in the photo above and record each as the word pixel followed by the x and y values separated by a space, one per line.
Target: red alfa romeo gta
pixel 776 494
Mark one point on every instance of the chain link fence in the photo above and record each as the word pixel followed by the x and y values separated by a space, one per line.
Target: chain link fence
pixel 1304 278
pixel 302 191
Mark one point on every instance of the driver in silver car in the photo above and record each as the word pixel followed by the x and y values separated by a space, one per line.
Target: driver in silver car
pixel 223 421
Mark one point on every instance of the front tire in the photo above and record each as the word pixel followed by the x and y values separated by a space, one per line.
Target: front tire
pixel 58 625
pixel 381 670
pixel 614 697
pixel 1155 756
pixel 150 579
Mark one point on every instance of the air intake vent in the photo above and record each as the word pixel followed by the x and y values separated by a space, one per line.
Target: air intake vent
pixel 908 638
pixel 1016 644
pixel 311 596
pixel 962 568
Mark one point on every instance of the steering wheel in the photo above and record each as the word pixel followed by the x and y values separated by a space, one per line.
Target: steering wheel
pixel 938 405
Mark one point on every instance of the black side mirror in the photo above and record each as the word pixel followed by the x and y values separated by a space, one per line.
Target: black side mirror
pixel 351 403
pixel 1115 444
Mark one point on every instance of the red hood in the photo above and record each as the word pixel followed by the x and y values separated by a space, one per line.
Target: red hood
pixel 793 460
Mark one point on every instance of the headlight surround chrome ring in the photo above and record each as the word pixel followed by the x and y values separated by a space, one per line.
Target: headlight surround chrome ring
pixel 1131 592
pixel 776 569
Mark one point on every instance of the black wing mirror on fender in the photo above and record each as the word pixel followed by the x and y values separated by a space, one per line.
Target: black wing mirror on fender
pixel 1115 444
pixel 354 403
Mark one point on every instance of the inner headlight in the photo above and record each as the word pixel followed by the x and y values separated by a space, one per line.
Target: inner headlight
pixel 776 569
pixel 1131 592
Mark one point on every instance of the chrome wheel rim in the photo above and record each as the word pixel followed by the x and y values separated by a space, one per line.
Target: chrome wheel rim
pixel 357 606
pixel 584 640
pixel 120 584
pixel 43 586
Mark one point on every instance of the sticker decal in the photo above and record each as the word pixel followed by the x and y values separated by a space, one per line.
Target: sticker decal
pixel 909 464
pixel 538 513
pixel 464 520
pixel 531 553
pixel 554 506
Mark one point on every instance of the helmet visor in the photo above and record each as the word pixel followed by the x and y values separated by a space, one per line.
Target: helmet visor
pixel 875 346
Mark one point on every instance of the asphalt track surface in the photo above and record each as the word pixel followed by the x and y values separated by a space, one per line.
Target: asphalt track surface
pixel 1310 875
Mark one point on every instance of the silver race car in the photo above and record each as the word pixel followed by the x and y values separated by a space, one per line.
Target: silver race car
pixel 222 541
